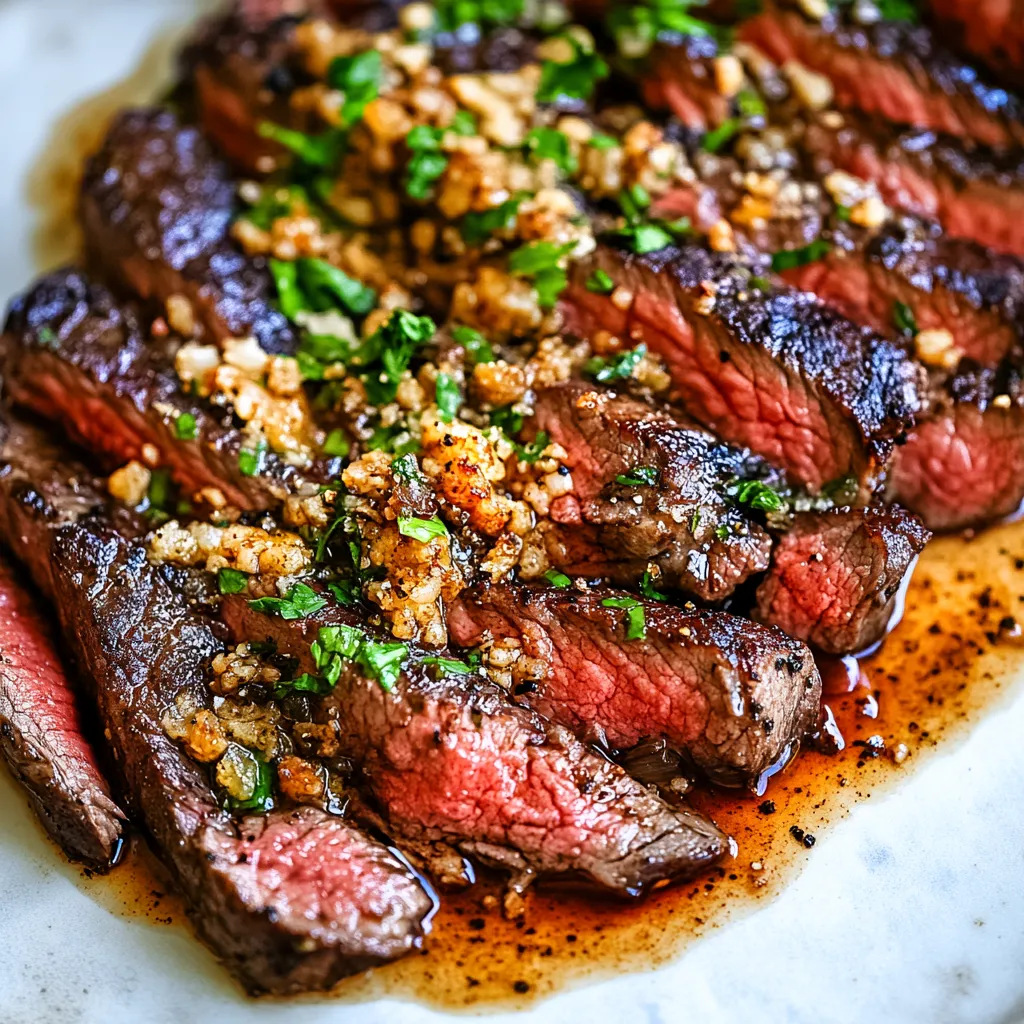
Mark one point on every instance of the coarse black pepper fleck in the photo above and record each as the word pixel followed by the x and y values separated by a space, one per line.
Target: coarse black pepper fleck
pixel 768 807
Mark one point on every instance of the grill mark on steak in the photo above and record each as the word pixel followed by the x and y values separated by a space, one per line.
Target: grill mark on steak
pixel 42 735
pixel 602 531
pixel 837 577
pixel 775 371
pixel 973 193
pixel 964 465
pixel 894 70
pixel 977 295
pixel 732 696
pixel 992 30
pixel 156 208
pixel 453 760
pixel 76 356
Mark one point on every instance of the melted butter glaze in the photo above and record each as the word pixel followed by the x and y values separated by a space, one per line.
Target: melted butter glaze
pixel 957 650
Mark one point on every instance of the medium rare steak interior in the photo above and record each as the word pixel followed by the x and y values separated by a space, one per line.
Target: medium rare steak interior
pixel 465 441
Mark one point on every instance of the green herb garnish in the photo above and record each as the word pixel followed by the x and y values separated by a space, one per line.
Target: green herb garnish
pixel 250 460
pixel 423 530
pixel 755 494
pixel 478 227
pixel 558 579
pixel 302 601
pixel 904 320
pixel 574 79
pixel 449 666
pixel 320 151
pixel 477 347
pixel 359 77
pixel 540 261
pixel 448 397
pixel 639 476
pixel 648 590
pixel 619 368
pixel 232 581
pixel 600 282
pixel 790 259
pixel 636 621
pixel 337 444
pixel 551 144
pixel 185 427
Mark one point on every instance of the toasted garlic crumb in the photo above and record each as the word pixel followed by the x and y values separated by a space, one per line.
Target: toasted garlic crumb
pixel 728 75
pixel 721 237
pixel 1001 402
pixel 814 91
pixel 936 347
pixel 870 212
pixel 130 483
pixel 816 9
pixel 180 315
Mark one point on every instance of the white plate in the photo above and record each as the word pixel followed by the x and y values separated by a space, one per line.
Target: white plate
pixel 911 910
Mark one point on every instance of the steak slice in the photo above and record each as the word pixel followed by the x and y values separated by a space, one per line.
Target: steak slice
pixel 891 69
pixel 992 30
pixel 837 577
pixel 946 283
pixel 291 901
pixel 771 370
pixel 681 76
pixel 679 521
pixel 733 696
pixel 964 465
pixel 972 192
pixel 156 208
pixel 42 737
pixel 76 356
pixel 454 760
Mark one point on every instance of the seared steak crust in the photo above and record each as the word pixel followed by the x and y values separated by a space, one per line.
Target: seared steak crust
pixel 774 371
pixel 836 576
pixel 891 69
pixel 41 735
pixel 990 29
pixel 76 356
pixel 733 697
pixel 973 192
pixel 156 207
pixel 603 531
pixel 455 761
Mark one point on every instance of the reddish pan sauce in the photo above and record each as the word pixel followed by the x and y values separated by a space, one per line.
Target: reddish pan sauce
pixel 956 652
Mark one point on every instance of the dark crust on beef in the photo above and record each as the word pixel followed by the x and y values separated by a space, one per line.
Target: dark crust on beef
pixel 42 735
pixel 454 761
pixel 602 530
pixel 75 355
pixel 992 30
pixel 948 283
pixel 836 576
pixel 963 466
pixel 933 88
pixel 733 697
pixel 856 391
pixel 156 208
pixel 973 192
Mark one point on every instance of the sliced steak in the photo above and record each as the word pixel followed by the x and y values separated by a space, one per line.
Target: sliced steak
pixel 675 516
pixel 891 69
pixel 972 192
pixel 76 356
pixel 992 30
pixel 946 283
pixel 772 370
pixel 42 737
pixel 964 465
pixel 734 697
pixel 291 901
pixel 837 577
pixel 453 760
pixel 156 207
pixel 681 76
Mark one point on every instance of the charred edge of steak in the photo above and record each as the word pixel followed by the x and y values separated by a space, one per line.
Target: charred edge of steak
pixel 732 696
pixel 992 30
pixel 42 735
pixel 947 283
pixel 454 761
pixel 291 901
pixel 836 576
pixel 973 192
pixel 963 466
pixel 157 207
pixel 76 356
pixel 772 370
pixel 893 69
pixel 680 521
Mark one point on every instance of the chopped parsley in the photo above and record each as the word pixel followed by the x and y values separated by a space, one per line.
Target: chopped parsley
pixel 898 10
pixel 336 444
pixel 322 151
pixel 427 162
pixel 540 261
pixel 903 319
pixel 250 460
pixel 843 212
pixel 636 26
pixel 478 227
pixel 644 237
pixel 449 666
pixel 619 368
pixel 302 601
pixel 232 581
pixel 448 397
pixel 574 79
pixel 647 588
pixel 601 141
pixel 533 450
pixel 159 493
pixel 639 476
pixel 600 282
pixel 558 579
pixel 636 621
pixel 750 104
pixel 755 494
pixel 386 354
pixel 463 123
pixel 423 530
pixel 250 766
pixel 407 469
pixel 336 645
pixel 316 286
pixel 790 259
pixel 508 420
pixel 551 144
pixel 477 347
pixel 717 138
pixel 185 428
pixel 305 683
pixel 359 77
pixel 453 13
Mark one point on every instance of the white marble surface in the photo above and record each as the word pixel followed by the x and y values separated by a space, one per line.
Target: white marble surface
pixel 912 910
